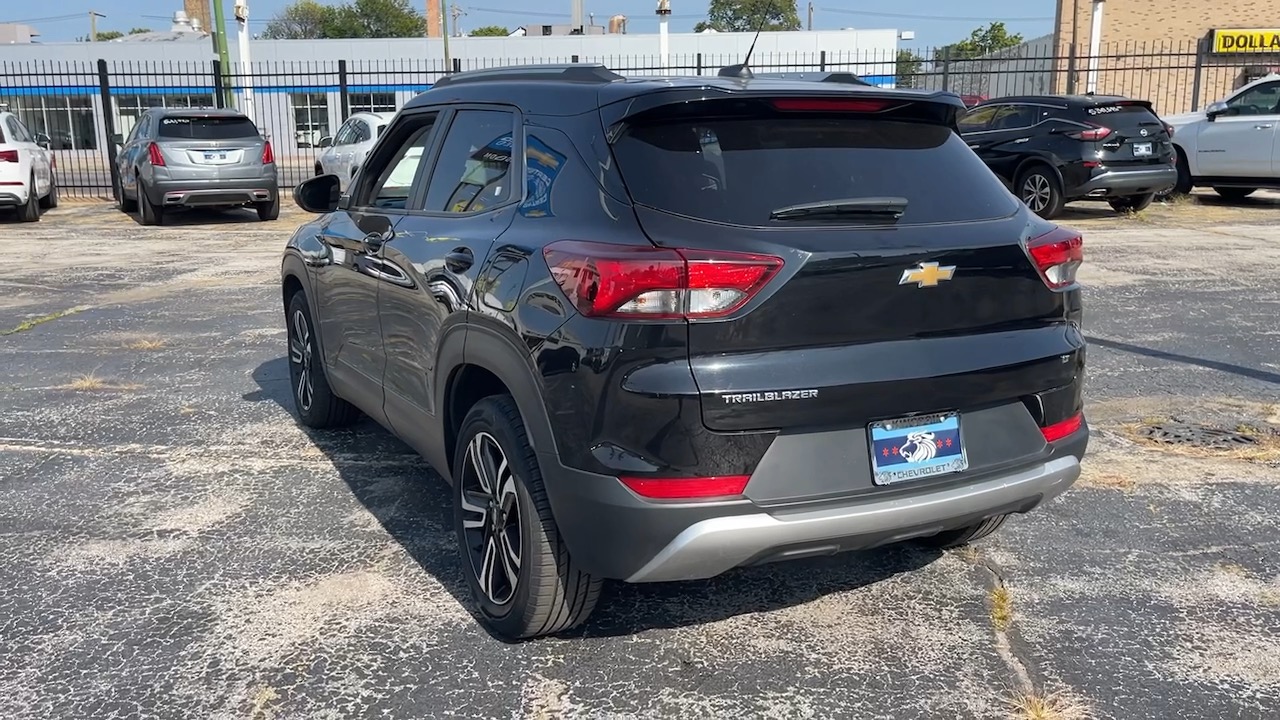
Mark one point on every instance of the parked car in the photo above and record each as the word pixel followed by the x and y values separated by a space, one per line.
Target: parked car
pixel 757 323
pixel 185 157
pixel 27 180
pixel 1054 149
pixel 1232 146
pixel 348 149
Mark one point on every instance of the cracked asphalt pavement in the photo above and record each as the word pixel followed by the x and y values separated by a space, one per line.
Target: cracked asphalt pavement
pixel 176 546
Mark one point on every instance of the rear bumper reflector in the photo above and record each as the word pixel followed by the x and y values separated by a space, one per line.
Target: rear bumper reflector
pixel 687 488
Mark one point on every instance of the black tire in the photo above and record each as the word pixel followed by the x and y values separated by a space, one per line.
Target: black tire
pixel 319 170
pixel 964 535
pixel 1038 186
pixel 50 201
pixel 549 594
pixel 30 211
pixel 1234 194
pixel 307 376
pixel 269 210
pixel 123 203
pixel 1183 185
pixel 1132 203
pixel 148 212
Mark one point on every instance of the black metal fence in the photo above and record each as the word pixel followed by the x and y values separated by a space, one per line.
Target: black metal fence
pixel 80 109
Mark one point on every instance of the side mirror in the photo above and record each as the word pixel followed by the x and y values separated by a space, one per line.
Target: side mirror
pixel 326 141
pixel 1215 110
pixel 319 194
pixel 44 143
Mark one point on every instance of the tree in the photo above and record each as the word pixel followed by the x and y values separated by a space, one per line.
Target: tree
pixel 908 69
pixel 490 31
pixel 106 35
pixel 308 19
pixel 745 16
pixel 981 42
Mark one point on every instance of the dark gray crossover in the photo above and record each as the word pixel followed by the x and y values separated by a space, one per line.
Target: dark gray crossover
pixel 658 329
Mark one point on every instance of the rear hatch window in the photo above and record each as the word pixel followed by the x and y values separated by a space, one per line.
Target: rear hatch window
pixel 742 169
pixel 189 127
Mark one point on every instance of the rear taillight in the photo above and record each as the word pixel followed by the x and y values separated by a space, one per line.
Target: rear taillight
pixel 644 282
pixel 1057 255
pixel 1066 428
pixel 1169 129
pixel 8 156
pixel 268 157
pixel 863 105
pixel 703 488
pixel 154 155
pixel 1093 134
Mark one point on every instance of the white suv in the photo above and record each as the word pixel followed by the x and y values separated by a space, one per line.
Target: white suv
pixel 26 171
pixel 1232 146
pixel 344 152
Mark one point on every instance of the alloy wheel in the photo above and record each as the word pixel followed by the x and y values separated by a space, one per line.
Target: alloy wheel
pixel 491 518
pixel 1036 192
pixel 300 356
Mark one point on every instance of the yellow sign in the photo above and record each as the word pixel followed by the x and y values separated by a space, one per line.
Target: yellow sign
pixel 1246 41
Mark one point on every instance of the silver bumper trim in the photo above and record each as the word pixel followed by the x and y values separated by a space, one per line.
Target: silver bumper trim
pixel 714 546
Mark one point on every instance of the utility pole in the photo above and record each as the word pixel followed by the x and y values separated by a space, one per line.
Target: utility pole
pixel 810 17
pixel 448 59
pixel 93 25
pixel 664 42
pixel 242 44
pixel 224 58
pixel 456 12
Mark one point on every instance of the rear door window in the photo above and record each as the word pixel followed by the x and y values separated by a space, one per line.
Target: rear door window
pixel 979 119
pixel 739 170
pixel 1015 117
pixel 474 169
pixel 190 127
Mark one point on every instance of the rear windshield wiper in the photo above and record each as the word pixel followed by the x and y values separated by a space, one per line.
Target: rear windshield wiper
pixel 881 207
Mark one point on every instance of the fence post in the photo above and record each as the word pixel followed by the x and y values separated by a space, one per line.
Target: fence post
pixel 219 88
pixel 1195 83
pixel 1071 70
pixel 344 101
pixel 699 63
pixel 108 124
pixel 457 65
pixel 822 61
pixel 574 59
pixel 946 69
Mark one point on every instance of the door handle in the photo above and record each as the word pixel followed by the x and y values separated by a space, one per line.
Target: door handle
pixel 374 241
pixel 1268 126
pixel 460 260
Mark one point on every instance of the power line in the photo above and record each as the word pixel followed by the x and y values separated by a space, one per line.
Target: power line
pixel 56 18
pixel 913 16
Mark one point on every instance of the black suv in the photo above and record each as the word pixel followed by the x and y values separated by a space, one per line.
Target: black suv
pixel 1054 149
pixel 657 329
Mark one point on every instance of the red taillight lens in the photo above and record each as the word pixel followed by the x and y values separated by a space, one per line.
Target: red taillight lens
pixel 860 105
pixel 638 282
pixel 268 157
pixel 1093 134
pixel 154 155
pixel 8 156
pixel 1066 428
pixel 1057 255
pixel 688 488
pixel 1169 129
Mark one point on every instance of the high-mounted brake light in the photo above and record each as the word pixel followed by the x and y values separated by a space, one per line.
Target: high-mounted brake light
pixel 1066 428
pixel 9 156
pixel 704 488
pixel 644 282
pixel 155 156
pixel 268 157
pixel 1057 255
pixel 1093 134
pixel 857 105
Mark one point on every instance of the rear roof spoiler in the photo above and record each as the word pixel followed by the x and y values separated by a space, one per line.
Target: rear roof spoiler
pixel 845 78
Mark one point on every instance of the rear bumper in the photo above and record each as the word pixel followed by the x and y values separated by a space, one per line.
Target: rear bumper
pixel 1129 181
pixel 12 199
pixel 194 193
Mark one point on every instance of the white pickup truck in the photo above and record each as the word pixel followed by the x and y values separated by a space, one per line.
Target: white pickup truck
pixel 1232 146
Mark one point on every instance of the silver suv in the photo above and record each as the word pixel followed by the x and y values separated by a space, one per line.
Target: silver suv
pixel 179 157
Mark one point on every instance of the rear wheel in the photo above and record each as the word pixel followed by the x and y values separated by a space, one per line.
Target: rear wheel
pixel 317 406
pixel 1039 188
pixel 319 170
pixel 123 203
pixel 516 564
pixel 269 210
pixel 1131 203
pixel 50 201
pixel 1234 194
pixel 1182 186
pixel 965 535
pixel 148 212
pixel 30 211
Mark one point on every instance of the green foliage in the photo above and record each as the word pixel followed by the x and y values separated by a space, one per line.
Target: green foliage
pixel 745 15
pixel 982 41
pixel 908 69
pixel 105 35
pixel 308 19
pixel 490 31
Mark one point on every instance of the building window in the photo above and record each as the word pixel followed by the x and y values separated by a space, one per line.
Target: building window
pixel 310 118
pixel 372 102
pixel 130 107
pixel 65 122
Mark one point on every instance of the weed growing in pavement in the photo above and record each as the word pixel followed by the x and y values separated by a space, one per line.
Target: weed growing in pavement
pixel 1050 706
pixel 34 322
pixel 1001 608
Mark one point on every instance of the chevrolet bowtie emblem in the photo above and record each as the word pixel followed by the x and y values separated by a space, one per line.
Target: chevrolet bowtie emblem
pixel 927 274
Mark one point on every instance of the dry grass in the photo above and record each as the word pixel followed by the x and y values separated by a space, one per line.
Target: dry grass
pixel 1231 568
pixel 967 553
pixel 1051 706
pixel 33 322
pixel 91 381
pixel 147 343
pixel 1112 481
pixel 1267 448
pixel 1001 602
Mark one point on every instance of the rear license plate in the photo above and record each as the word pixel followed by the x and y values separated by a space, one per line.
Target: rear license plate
pixel 916 448
pixel 1142 149
pixel 215 156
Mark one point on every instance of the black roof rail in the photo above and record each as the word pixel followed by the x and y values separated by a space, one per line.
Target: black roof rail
pixel 846 78
pixel 576 72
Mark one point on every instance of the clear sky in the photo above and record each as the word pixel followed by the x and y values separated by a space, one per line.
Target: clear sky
pixel 936 22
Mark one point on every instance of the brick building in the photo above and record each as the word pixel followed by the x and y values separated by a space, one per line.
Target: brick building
pixel 1162 50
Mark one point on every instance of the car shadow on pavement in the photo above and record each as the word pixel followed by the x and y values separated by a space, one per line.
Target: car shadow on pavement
pixel 204 216
pixel 1233 369
pixel 421 520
